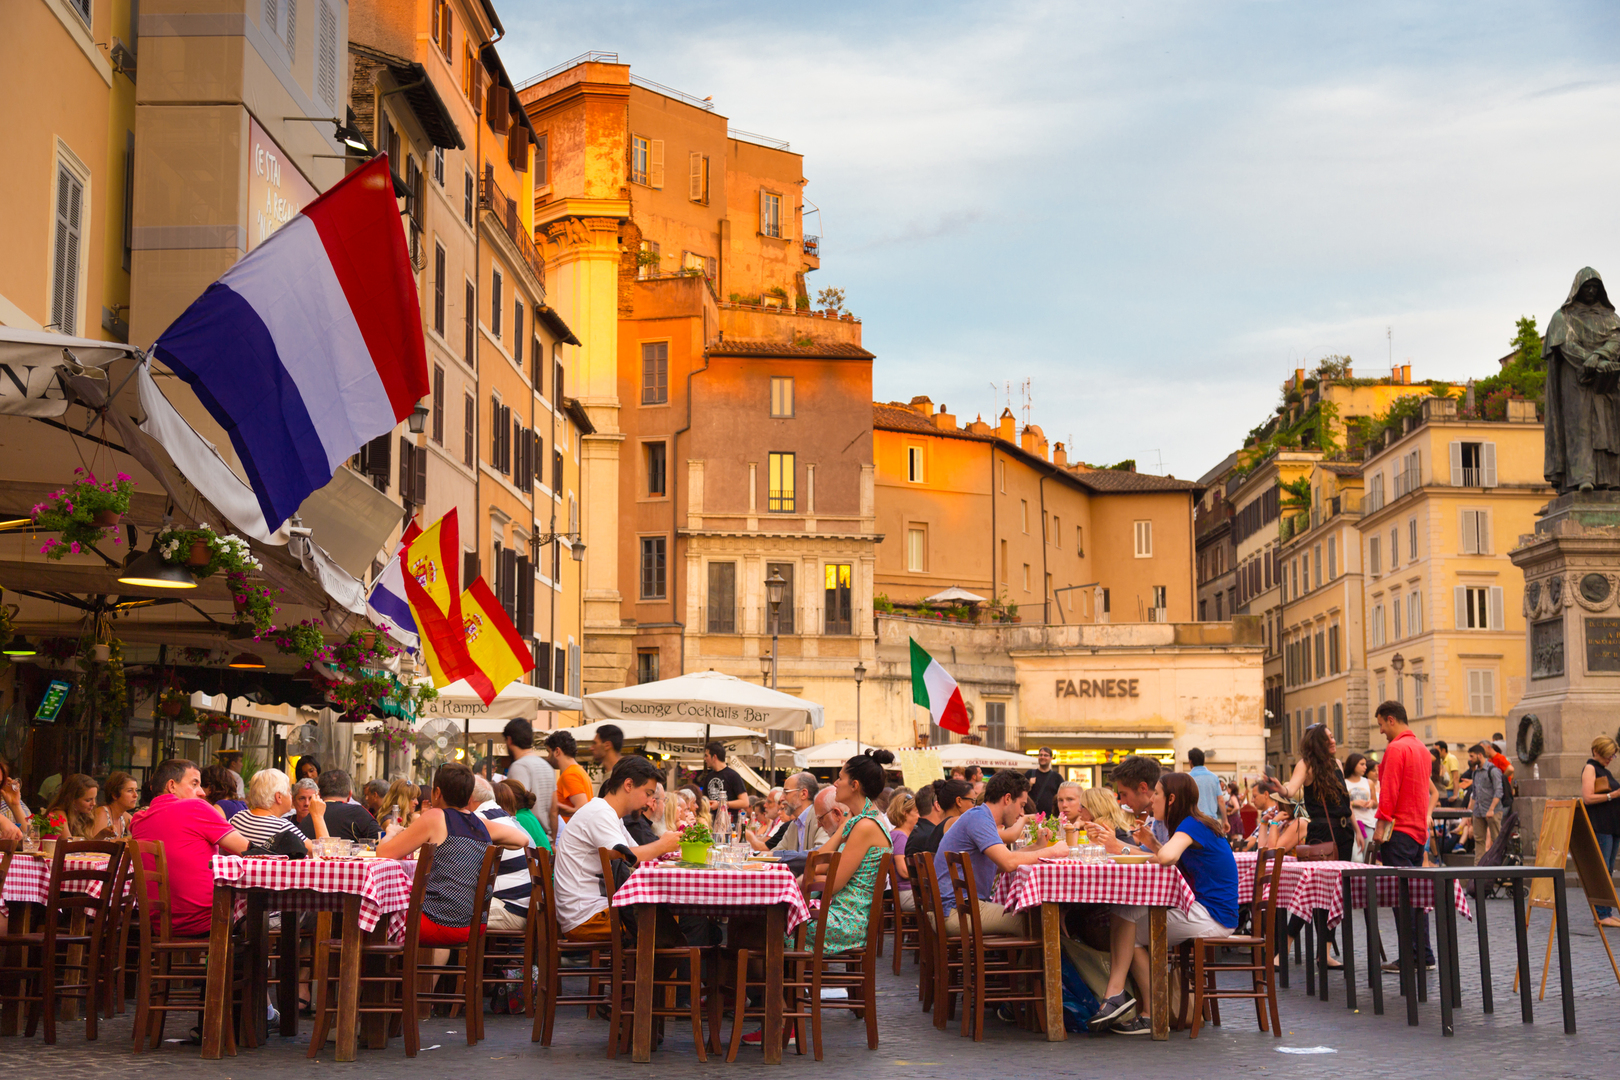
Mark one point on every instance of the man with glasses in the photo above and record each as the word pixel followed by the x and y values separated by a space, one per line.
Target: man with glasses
pixel 802 833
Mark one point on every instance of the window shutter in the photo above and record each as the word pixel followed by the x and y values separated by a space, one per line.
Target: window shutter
pixel 419 493
pixel 1468 535
pixel 407 462
pixel 517 143
pixel 65 286
pixel 1498 622
pixel 1456 464
pixel 695 161
pixel 655 168
pixel 326 49
pixel 376 458
pixel 525 597
pixel 762 218
pixel 1462 607
pixel 509 582
pixel 1488 456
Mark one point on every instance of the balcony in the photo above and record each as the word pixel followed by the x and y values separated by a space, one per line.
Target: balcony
pixel 505 211
pixel 1344 503
pixel 812 246
pixel 1205 521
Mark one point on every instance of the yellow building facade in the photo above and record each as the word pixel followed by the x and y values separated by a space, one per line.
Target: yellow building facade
pixel 1444 502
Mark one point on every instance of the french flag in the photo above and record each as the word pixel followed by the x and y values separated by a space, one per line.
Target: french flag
pixel 387 605
pixel 311 345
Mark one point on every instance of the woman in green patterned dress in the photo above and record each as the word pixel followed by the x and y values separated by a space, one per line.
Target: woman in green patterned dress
pixel 862 844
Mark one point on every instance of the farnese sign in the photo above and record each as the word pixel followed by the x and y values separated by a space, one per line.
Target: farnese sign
pixel 1096 688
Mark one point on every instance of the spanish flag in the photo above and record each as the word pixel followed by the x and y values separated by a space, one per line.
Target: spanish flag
pixel 494 645
pixel 432 564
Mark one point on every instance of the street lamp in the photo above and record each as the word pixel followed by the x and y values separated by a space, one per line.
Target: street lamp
pixel 764 670
pixel 418 418
pixel 860 673
pixel 775 587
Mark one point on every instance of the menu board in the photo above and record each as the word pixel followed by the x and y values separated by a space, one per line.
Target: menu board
pixel 50 705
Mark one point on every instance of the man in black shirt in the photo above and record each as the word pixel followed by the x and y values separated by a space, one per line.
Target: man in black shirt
pixel 731 782
pixel 344 817
pixel 929 816
pixel 1043 782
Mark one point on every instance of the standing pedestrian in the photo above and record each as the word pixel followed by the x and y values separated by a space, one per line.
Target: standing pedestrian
pixel 1485 806
pixel 1598 792
pixel 1043 781
pixel 1403 810
pixel 1209 786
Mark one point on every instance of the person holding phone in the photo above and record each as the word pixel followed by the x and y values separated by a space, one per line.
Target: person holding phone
pixel 1599 792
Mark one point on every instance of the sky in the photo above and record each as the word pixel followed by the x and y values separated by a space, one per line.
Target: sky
pixel 1154 212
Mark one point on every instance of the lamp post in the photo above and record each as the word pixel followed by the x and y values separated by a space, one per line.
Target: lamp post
pixel 764 670
pixel 860 673
pixel 775 587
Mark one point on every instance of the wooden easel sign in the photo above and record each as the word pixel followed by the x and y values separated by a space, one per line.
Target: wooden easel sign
pixel 1566 833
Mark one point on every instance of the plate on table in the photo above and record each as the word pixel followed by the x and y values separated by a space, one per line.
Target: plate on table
pixel 1130 860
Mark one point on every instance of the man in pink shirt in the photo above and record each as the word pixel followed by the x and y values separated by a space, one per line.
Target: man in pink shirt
pixel 192 831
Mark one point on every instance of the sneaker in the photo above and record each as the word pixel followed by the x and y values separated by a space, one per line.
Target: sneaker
pixel 1111 1009
pixel 272 1016
pixel 1139 1026
pixel 1004 1013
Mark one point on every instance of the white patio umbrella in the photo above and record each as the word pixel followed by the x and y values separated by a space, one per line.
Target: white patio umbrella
pixel 985 757
pixel 829 755
pixel 955 592
pixel 706 697
pixel 518 700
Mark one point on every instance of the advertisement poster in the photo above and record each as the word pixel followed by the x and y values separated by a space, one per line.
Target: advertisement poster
pixel 277 191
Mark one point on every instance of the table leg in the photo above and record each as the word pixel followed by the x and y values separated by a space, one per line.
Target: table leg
pixel 775 932
pixel 1280 933
pixel 1450 905
pixel 1565 975
pixel 1158 972
pixel 1347 927
pixel 1375 945
pixel 642 1021
pixel 255 958
pixel 287 966
pixel 1052 971
pixel 1309 930
pixel 1445 957
pixel 1485 997
pixel 1319 917
pixel 348 1002
pixel 1521 934
pixel 375 1025
pixel 217 994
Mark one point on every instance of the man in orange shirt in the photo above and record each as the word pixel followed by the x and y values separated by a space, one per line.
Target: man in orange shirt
pixel 1403 807
pixel 573 785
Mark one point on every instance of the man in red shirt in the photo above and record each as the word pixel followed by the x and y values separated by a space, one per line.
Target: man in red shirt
pixel 1403 806
pixel 192 830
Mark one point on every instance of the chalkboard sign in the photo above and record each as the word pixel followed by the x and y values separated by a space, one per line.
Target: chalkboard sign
pixel 50 706
pixel 1603 645
pixel 1566 833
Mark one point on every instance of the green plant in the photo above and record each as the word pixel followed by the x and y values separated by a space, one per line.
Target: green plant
pixel 1128 465
pixel 217 723
pixel 777 291
pixel 255 608
pixel 801 303
pixel 831 300
pixel 250 765
pixel 647 256
pixel 107 686
pixel 175 703
pixel 74 512
pixel 390 735
pixel 302 639
pixel 697 833
pixel 50 823
pixel 881 602
pixel 229 553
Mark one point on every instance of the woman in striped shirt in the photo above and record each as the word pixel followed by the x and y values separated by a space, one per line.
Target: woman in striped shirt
pixel 269 797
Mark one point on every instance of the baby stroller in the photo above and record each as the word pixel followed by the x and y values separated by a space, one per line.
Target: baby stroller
pixel 1506 851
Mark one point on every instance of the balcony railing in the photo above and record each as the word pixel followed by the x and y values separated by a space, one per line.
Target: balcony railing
pixel 781 502
pixel 812 246
pixel 505 211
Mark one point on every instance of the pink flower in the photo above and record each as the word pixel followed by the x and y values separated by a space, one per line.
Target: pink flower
pixel 74 547
pixel 124 477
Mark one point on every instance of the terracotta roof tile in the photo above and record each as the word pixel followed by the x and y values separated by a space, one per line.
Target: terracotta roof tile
pixel 1119 481
pixel 815 350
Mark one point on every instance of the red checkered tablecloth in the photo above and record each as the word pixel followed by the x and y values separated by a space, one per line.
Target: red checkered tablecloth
pixel 1321 887
pixel 1069 881
pixel 714 887
pixel 29 879
pixel 383 885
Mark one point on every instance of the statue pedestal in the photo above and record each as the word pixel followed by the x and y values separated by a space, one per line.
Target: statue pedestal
pixel 1571 567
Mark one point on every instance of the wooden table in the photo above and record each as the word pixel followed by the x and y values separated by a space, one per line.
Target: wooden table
pixel 712 891
pixel 28 882
pixel 364 890
pixel 1050 883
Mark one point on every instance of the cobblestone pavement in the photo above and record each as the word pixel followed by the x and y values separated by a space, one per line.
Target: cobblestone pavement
pixel 1364 1044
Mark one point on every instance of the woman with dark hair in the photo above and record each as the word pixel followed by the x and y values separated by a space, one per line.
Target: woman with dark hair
pixel 1318 782
pixel 862 844
pixel 522 810
pixel 76 800
pixel 1198 846
pixel 1363 802
pixel 955 797
pixel 306 769
pixel 120 796
pixel 219 787
pixel 12 807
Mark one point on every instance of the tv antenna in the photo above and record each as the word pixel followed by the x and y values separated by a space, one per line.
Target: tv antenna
pixel 1159 458
pixel 1025 391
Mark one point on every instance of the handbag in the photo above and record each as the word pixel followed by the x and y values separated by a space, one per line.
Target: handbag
pixel 1327 851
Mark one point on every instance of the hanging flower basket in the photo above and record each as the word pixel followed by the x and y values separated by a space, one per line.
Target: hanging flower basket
pixel 175 703
pixel 199 554
pixel 205 551
pixel 217 723
pixel 82 512
pixel 254 607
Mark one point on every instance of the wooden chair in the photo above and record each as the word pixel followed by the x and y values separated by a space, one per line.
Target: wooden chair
pixel 82 948
pixel 906 924
pixel 925 936
pixel 859 974
pixel 171 972
pixel 993 972
pixel 946 964
pixel 1201 961
pixel 622 983
pixel 402 965
pixel 519 950
pixel 551 947
pixel 801 985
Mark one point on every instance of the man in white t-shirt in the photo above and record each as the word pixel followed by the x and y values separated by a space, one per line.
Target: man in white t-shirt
pixel 581 905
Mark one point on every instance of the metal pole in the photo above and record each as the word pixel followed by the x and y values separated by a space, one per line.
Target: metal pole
pixel 857 716
pixel 776 625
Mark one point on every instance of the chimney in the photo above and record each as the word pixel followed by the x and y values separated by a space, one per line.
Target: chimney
pixel 979 427
pixel 1033 440
pixel 1349 373
pixel 1299 379
pixel 943 420
pixel 1060 456
pixel 922 405
pixel 1006 426
pixel 1406 374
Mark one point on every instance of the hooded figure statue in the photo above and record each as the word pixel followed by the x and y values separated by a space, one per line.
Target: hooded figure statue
pixel 1582 355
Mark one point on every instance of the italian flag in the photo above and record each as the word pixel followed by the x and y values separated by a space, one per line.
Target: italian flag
pixel 933 688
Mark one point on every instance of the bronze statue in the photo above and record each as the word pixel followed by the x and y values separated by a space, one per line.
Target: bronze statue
pixel 1582 355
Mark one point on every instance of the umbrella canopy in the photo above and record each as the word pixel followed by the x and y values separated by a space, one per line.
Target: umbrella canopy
pixel 985 757
pixel 519 700
pixel 33 360
pixel 829 755
pixel 706 697
pixel 956 592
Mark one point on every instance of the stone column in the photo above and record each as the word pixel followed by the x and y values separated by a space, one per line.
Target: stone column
pixel 1571 567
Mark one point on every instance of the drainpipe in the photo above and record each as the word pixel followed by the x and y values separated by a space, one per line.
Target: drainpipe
pixel 674 471
pixel 1046 596
pixel 995 540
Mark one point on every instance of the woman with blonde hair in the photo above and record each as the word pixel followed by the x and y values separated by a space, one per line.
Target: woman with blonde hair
pixel 1599 792
pixel 398 807
pixel 76 800
pixel 1103 807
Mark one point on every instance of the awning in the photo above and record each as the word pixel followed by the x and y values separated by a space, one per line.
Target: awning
pixel 459 701
pixel 706 697
pixel 33 364
pixel 961 755
pixel 829 755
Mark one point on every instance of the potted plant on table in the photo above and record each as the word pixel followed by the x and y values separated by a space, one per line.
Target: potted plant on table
pixel 696 840
pixel 82 512
pixel 49 826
